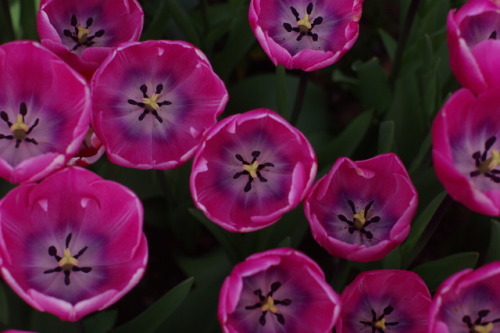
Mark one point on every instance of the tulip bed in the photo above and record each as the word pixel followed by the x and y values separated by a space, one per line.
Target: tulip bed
pixel 240 166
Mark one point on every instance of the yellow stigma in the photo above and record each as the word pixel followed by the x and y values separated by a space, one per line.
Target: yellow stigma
pixel 67 261
pixel 304 24
pixel 490 163
pixel 251 169
pixel 151 102
pixel 380 324
pixel 486 328
pixel 19 128
pixel 82 34
pixel 269 305
pixel 359 219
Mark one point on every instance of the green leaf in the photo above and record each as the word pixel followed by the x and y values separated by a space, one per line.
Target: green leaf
pixel 347 142
pixel 4 306
pixel 6 24
pixel 155 315
pixel 101 322
pixel 493 253
pixel 435 272
pixel 412 246
pixel 385 136
pixel 374 88
pixel 28 19
pixel 183 22
pixel 389 43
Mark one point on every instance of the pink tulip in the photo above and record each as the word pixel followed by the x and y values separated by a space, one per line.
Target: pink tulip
pixel 468 302
pixel 385 301
pixel 44 112
pixel 280 290
pixel 153 101
pixel 466 149
pixel 361 210
pixel 83 33
pixel 72 244
pixel 306 35
pixel 251 169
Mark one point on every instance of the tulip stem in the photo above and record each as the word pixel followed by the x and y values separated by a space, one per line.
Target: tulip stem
pixel 299 98
pixel 410 17
pixel 8 33
pixel 81 326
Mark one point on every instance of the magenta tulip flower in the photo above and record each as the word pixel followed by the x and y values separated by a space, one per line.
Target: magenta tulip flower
pixel 44 112
pixel 472 41
pixel 90 151
pixel 468 302
pixel 251 169
pixel 153 102
pixel 385 301
pixel 72 244
pixel 306 35
pixel 83 33
pixel 361 210
pixel 16 331
pixel 280 290
pixel 466 149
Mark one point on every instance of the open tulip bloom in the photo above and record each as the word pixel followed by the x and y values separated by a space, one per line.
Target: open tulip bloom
pixel 83 33
pixel 44 111
pixel 153 101
pixel 473 46
pixel 280 290
pixel 384 301
pixel 361 210
pixel 250 169
pixel 468 302
pixel 466 149
pixel 305 34
pixel 72 244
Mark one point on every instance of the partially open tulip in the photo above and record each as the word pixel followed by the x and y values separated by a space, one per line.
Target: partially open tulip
pixel 306 35
pixel 466 149
pixel 44 111
pixel 72 244
pixel 280 290
pixel 250 170
pixel 361 210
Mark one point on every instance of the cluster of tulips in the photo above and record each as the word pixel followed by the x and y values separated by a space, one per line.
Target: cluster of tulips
pixel 72 243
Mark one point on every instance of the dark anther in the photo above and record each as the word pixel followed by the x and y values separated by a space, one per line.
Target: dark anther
pixel 66 269
pixel 19 134
pixel 81 36
pixel 481 158
pixel 481 315
pixel 255 168
pixel 150 104
pixel 303 28
pixel 375 322
pixel 357 225
pixel 493 35
pixel 265 300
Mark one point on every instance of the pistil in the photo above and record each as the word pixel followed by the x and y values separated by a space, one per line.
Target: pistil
pixel 252 169
pixel 487 166
pixel 360 220
pixel 269 304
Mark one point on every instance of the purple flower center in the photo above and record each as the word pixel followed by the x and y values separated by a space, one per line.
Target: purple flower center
pixel 252 169
pixel 150 104
pixel 67 263
pixel 269 304
pixel 487 166
pixel 80 35
pixel 480 325
pixel 304 25
pixel 19 129
pixel 359 220
pixel 380 323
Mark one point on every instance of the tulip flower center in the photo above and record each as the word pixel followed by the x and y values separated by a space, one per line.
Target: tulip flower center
pixel 360 220
pixel 380 323
pixel 150 104
pixel 304 25
pixel 480 325
pixel 252 169
pixel 80 34
pixel 67 263
pixel 19 129
pixel 269 304
pixel 487 166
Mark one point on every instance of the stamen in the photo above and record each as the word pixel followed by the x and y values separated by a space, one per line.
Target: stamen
pixel 305 24
pixel 269 304
pixel 487 166
pixel 19 129
pixel 380 323
pixel 150 104
pixel 252 169
pixel 82 35
pixel 359 220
